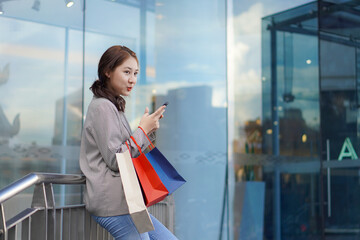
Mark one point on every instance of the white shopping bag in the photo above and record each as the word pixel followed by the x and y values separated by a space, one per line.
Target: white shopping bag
pixel 133 194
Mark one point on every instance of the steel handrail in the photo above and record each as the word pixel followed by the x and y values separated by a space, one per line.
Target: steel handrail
pixel 38 178
pixel 44 220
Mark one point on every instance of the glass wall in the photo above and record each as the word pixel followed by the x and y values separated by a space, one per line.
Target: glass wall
pixel 182 53
pixel 295 120
pixel 262 119
pixel 339 75
pixel 292 121
pixel 41 72
pixel 190 68
pixel 48 58
pixel 274 72
pixel 41 69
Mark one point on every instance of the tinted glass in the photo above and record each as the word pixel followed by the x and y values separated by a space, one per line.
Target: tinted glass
pixel 182 52
pixel 40 89
pixel 276 136
pixel 339 88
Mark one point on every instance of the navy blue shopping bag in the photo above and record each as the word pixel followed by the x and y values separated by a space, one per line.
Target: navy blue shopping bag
pixel 171 179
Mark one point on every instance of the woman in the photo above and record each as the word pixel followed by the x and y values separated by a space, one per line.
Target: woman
pixel 106 132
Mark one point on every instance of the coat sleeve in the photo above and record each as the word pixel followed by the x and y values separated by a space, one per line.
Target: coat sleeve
pixel 111 134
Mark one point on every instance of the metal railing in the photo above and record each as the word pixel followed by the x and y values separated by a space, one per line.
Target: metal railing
pixel 44 221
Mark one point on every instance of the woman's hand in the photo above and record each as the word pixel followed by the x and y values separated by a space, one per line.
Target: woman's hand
pixel 150 122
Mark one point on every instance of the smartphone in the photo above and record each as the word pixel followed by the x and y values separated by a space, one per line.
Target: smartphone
pixel 166 103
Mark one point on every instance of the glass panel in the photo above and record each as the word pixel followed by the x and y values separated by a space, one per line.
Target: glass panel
pixel 276 136
pixel 40 89
pixel 341 18
pixel 339 75
pixel 181 48
pixel 191 74
pixel 298 91
pixel 300 209
pixel 343 216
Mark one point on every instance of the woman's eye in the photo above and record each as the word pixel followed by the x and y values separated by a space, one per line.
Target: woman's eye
pixel 136 73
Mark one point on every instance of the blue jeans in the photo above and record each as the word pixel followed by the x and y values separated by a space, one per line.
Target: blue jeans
pixel 122 228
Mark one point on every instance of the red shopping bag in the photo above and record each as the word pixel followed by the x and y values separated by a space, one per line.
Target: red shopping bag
pixel 153 189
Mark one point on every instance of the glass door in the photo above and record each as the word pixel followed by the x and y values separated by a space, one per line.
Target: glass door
pixel 341 165
pixel 342 197
pixel 340 133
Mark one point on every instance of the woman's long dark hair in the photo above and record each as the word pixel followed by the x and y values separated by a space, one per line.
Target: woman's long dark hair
pixel 112 58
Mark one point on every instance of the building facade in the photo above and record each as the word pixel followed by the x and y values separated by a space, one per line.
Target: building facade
pixel 262 119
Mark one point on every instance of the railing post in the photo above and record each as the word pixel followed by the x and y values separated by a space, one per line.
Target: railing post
pixel 3 230
pixel 51 233
pixel 43 222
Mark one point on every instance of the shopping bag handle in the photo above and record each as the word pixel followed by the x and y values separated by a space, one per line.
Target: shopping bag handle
pixel 151 144
pixel 139 148
pixel 136 144
pixel 128 148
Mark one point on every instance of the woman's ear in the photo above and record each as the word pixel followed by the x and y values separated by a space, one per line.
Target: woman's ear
pixel 107 74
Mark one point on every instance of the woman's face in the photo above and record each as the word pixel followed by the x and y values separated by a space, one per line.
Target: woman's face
pixel 124 77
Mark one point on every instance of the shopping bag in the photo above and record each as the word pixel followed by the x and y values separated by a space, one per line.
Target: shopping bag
pixel 167 173
pixel 153 189
pixel 133 193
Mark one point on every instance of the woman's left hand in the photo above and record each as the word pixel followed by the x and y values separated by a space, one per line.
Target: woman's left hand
pixel 150 122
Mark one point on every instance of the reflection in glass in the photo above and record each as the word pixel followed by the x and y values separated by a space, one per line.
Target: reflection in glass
pixel 295 85
pixel 40 69
pixel 40 89
pixel 181 50
pixel 291 124
pixel 309 89
pixel 339 70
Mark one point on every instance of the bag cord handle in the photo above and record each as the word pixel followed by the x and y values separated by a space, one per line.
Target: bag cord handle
pixel 128 148
pixel 151 144
pixel 139 148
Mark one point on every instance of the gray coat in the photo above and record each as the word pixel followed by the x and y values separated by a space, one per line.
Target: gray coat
pixel 104 134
